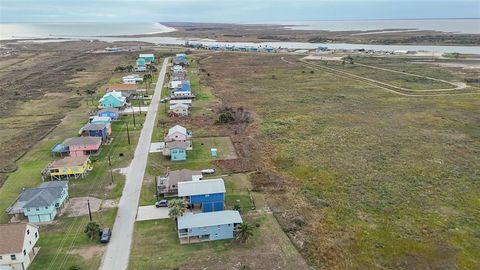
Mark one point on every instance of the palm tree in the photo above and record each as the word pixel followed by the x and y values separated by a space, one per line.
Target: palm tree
pixel 244 232
pixel 147 78
pixel 176 208
pixel 92 230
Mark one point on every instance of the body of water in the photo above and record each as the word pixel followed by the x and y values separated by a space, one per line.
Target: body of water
pixel 111 31
pixel 77 30
pixel 465 26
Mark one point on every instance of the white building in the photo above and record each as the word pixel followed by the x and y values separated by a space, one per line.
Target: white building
pixel 17 245
pixel 179 109
pixel 132 79
pixel 175 84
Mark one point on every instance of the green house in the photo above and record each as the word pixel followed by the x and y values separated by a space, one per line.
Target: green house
pixel 148 57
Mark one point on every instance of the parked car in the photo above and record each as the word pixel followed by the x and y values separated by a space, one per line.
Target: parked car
pixel 161 203
pixel 105 235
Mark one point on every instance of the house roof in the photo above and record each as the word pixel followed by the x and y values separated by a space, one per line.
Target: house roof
pixel 93 126
pixel 146 55
pixel 180 101
pixel 39 197
pixel 183 175
pixel 178 105
pixel 177 128
pixel 122 87
pixel 81 141
pixel 209 219
pixel 201 187
pixel 49 184
pixel 115 110
pixel 101 119
pixel 69 161
pixel 114 94
pixel 177 144
pixel 13 236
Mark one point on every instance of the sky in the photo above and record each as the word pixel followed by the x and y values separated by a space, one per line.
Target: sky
pixel 239 11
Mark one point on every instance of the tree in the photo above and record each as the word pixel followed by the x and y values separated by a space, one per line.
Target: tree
pixel 226 117
pixel 147 78
pixel 244 232
pixel 92 230
pixel 176 208
pixel 129 68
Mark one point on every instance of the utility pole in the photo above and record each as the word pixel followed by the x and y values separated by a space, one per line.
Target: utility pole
pixel 133 113
pixel 142 104
pixel 110 165
pixel 89 211
pixel 156 188
pixel 128 134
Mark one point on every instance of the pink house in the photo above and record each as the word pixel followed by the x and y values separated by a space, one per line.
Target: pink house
pixel 178 133
pixel 83 146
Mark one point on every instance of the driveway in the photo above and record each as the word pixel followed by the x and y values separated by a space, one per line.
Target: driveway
pixel 151 212
pixel 118 250
pixel 157 147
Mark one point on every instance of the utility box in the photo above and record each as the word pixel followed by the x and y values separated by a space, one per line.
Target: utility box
pixel 214 152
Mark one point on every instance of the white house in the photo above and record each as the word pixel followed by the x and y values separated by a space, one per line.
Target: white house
pixel 177 68
pixel 175 84
pixel 179 109
pixel 178 133
pixel 187 102
pixel 132 79
pixel 17 245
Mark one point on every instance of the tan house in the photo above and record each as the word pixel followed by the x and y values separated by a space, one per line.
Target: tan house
pixel 168 184
pixel 17 245
pixel 179 110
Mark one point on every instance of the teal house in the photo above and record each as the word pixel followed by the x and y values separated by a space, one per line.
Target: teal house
pixel 177 150
pixel 112 99
pixel 41 204
pixel 148 57
pixel 141 62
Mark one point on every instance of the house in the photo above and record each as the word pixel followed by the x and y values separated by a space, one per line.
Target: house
pixel 180 61
pixel 103 120
pixel 95 130
pixel 178 68
pixel 175 84
pixel 187 102
pixel 209 194
pixel 148 57
pixel 178 133
pixel 177 150
pixel 83 146
pixel 18 245
pixel 208 226
pixel 168 184
pixel 41 204
pixel 126 89
pixel 178 75
pixel 113 113
pixel 141 63
pixel 132 79
pixel 179 110
pixel 68 167
pixel 113 99
pixel 182 95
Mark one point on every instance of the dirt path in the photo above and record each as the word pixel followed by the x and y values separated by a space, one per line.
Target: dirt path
pixel 385 86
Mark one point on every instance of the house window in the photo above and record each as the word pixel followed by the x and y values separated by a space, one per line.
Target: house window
pixel 36 235
pixel 46 207
pixel 28 231
pixel 28 209
pixel 24 252
pixel 13 257
pixel 1 258
pixel 38 209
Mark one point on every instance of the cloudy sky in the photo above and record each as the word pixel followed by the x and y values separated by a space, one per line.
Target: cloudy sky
pixel 231 11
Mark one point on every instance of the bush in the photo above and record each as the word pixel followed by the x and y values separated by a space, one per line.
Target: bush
pixel 226 117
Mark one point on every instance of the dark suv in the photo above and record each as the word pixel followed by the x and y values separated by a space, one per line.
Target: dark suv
pixel 105 235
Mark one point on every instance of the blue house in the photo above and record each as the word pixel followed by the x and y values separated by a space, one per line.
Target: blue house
pixel 147 57
pixel 177 150
pixel 200 227
pixel 95 130
pixel 209 195
pixel 112 99
pixel 113 113
pixel 43 203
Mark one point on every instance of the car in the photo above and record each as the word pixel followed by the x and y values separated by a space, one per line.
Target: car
pixel 105 235
pixel 161 203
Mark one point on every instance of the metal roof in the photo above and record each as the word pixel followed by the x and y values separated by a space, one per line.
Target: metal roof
pixel 202 187
pixel 177 128
pixel 69 161
pixel 209 219
pixel 90 126
pixel 81 141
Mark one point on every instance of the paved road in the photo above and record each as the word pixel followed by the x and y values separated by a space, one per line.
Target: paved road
pixel 118 250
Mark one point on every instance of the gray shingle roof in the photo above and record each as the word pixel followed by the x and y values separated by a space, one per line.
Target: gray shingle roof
pixel 42 196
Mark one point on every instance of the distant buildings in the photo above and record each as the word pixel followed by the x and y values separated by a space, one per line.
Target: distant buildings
pixel 18 245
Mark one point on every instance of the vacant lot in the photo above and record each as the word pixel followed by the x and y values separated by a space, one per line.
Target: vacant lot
pixel 381 180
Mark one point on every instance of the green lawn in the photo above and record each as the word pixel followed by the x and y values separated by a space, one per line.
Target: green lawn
pixel 63 244
pixel 237 192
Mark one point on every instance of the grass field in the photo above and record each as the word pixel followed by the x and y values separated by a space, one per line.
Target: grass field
pixel 381 180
